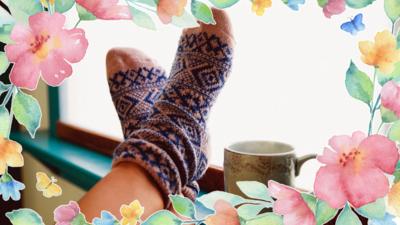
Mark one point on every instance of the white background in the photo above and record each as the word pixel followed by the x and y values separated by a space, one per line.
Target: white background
pixel 287 82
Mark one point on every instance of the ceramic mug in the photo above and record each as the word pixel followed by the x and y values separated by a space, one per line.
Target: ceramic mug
pixel 261 161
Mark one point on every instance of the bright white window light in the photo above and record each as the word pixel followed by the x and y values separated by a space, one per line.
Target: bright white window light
pixel 287 83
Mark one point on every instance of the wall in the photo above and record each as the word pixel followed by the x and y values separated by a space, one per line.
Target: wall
pixel 34 199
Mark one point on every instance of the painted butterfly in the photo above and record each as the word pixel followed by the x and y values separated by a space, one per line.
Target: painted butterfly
pixel 47 185
pixel 354 25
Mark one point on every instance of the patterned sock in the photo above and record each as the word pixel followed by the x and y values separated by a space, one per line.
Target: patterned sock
pixel 135 82
pixel 168 144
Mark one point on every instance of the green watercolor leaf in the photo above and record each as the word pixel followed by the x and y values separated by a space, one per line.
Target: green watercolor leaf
pixel 358 84
pixel 5 32
pixel 358 4
pixel 24 217
pixel 141 19
pixel 249 211
pixel 266 218
pixel 398 165
pixel 311 201
pixel 222 4
pixel 27 111
pixel 388 116
pixel 398 40
pixel 202 12
pixel 4 121
pixel 396 175
pixel 80 220
pixel 322 3
pixel 4 87
pixel 22 9
pixel 63 6
pixel 392 9
pixel 6 24
pixel 4 63
pixel 254 189
pixel 384 78
pixel 394 132
pixel 183 206
pixel 151 3
pixel 202 212
pixel 162 217
pixel 209 200
pixel 348 217
pixel 186 20
pixel 375 210
pixel 5 17
pixel 324 213
pixel 84 14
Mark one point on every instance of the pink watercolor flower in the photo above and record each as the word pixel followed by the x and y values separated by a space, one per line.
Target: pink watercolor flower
pixel 291 205
pixel 44 48
pixel 166 9
pixel 225 214
pixel 391 97
pixel 106 9
pixel 354 169
pixel 65 214
pixel 334 7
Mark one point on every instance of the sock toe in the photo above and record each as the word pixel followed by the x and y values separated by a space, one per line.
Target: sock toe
pixel 222 28
pixel 123 59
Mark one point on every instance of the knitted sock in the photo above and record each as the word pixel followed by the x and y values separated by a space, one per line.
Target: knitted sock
pixel 168 144
pixel 135 82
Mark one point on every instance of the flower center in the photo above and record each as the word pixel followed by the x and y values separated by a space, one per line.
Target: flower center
pixel 38 45
pixel 351 156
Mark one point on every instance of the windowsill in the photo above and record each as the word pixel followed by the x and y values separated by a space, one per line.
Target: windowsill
pixel 79 165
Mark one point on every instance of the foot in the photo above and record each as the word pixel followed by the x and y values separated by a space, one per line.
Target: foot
pixel 201 68
pixel 202 65
pixel 135 82
pixel 169 144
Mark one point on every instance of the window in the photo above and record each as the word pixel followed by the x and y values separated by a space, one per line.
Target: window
pixel 287 82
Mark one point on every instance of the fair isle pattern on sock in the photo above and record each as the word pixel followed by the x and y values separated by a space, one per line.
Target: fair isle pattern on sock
pixel 134 93
pixel 200 70
pixel 170 139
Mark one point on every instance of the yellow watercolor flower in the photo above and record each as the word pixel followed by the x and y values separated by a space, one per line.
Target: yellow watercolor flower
pixel 44 3
pixel 259 6
pixel 394 198
pixel 10 154
pixel 382 54
pixel 131 213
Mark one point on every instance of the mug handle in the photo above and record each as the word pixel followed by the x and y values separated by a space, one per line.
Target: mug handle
pixel 301 160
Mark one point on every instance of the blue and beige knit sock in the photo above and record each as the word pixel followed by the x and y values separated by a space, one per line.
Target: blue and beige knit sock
pixel 135 82
pixel 169 144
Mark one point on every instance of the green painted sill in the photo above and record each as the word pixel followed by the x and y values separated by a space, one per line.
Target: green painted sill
pixel 79 165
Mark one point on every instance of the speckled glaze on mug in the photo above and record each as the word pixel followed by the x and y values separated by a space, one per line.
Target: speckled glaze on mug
pixel 261 161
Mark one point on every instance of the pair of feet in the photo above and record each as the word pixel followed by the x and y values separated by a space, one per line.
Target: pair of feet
pixel 164 119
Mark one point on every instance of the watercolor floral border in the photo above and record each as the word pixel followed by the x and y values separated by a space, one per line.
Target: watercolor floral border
pixel 360 173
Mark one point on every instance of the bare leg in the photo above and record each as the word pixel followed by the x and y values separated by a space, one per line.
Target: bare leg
pixel 134 79
pixel 124 184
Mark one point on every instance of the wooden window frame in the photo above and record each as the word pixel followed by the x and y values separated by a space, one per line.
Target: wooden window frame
pixel 213 180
